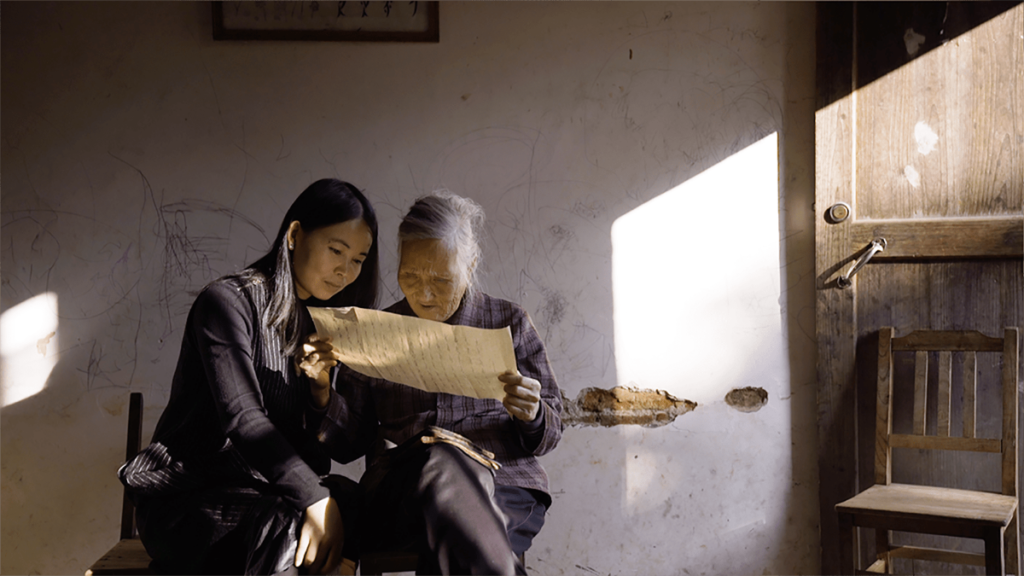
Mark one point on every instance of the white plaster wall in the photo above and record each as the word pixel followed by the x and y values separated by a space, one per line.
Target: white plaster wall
pixel 141 160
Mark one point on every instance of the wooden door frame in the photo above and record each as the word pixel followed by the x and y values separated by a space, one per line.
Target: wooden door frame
pixel 837 456
pixel 836 322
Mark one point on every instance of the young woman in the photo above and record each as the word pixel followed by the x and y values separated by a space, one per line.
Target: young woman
pixel 231 483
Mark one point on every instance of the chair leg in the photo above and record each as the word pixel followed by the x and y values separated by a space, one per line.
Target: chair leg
pixel 882 548
pixel 1011 540
pixel 994 552
pixel 847 563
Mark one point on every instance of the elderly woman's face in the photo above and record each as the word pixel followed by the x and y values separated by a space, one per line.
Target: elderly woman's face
pixel 431 280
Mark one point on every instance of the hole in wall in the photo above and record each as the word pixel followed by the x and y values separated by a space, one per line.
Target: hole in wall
pixel 749 399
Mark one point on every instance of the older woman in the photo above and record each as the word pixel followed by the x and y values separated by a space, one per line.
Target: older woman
pixel 459 514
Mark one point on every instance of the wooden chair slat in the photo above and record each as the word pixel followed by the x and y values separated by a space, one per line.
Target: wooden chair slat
pixel 945 398
pixel 920 392
pixel 952 340
pixel 1011 410
pixel 970 392
pixel 883 408
pixel 937 555
pixel 132 447
pixel 1011 415
pixel 951 443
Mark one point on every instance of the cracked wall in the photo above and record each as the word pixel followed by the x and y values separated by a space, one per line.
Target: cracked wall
pixel 559 118
pixel 621 405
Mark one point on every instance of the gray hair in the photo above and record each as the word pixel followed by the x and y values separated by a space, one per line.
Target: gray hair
pixel 456 221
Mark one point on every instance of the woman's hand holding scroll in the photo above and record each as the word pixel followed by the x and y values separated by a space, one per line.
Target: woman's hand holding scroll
pixel 522 396
pixel 316 361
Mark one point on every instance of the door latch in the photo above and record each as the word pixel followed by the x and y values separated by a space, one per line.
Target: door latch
pixel 876 246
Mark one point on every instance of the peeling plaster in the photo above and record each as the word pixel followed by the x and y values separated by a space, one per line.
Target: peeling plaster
pixel 648 408
pixel 43 342
pixel 747 399
pixel 926 138
pixel 912 176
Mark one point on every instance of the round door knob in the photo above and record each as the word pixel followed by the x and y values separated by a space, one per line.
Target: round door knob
pixel 838 212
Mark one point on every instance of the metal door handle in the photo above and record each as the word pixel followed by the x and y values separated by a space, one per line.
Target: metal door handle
pixel 876 246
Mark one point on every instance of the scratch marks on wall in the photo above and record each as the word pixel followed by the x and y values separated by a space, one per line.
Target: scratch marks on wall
pixel 622 405
pixel 655 114
pixel 196 236
pixel 124 277
pixel 546 243
pixel 554 308
pixel 561 236
pixel 588 208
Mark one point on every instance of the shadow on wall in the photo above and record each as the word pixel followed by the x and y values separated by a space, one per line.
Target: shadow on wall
pixel 60 496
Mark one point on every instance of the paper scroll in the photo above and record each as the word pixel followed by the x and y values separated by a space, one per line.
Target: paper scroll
pixel 424 354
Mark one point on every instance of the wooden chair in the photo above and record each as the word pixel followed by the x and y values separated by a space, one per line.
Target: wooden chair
pixel 128 556
pixel 887 506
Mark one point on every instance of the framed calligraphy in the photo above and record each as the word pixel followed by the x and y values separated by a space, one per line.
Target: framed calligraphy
pixel 378 21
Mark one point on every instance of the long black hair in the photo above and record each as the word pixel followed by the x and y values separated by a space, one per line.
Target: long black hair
pixel 324 203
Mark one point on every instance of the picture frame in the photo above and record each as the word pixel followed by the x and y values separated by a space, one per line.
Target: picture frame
pixel 363 21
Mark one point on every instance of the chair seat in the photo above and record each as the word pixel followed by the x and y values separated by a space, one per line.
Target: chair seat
pixel 126 557
pixel 931 503
pixel 373 563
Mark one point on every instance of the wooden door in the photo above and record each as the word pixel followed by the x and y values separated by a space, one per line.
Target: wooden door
pixel 920 133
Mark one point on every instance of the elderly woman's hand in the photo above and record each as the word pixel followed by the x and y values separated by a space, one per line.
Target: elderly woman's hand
pixel 315 361
pixel 522 396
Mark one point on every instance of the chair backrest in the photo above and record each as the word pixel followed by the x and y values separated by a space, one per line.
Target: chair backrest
pixel 134 444
pixel 947 343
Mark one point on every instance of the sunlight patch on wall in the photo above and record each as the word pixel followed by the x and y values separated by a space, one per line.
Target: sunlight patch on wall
pixel 28 347
pixel 696 286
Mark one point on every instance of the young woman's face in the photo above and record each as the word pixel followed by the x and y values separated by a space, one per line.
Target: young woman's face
pixel 431 280
pixel 328 259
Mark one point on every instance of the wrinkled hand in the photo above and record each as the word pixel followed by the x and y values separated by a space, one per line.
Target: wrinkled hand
pixel 316 360
pixel 522 396
pixel 321 538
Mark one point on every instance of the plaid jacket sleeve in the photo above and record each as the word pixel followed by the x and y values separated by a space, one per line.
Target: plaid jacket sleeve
pixel 532 361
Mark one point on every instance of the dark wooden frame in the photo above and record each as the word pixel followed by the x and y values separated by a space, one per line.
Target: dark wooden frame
pixel 431 34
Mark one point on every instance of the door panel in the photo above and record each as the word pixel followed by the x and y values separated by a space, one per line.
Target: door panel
pixel 920 130
pixel 941 136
